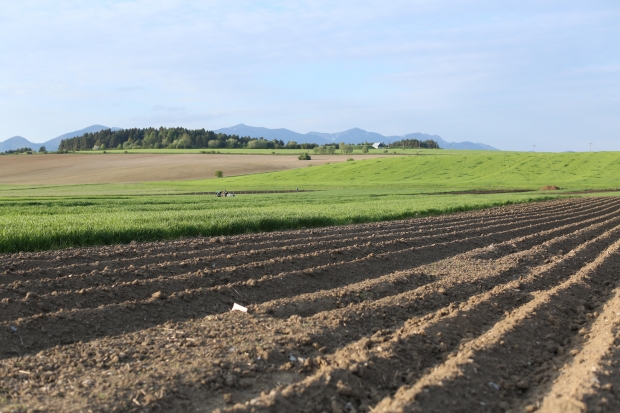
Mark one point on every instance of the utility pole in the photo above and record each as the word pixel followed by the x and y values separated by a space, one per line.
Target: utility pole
pixel 590 147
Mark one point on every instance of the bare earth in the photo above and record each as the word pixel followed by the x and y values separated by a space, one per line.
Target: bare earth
pixel 110 168
pixel 507 309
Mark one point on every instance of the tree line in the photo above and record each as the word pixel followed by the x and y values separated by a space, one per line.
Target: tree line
pixel 24 150
pixel 415 143
pixel 170 138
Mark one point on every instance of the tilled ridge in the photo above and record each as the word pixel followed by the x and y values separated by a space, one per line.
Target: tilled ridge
pixel 589 381
pixel 523 351
pixel 420 343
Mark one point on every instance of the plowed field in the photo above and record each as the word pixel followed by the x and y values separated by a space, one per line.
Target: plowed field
pixel 114 168
pixel 506 309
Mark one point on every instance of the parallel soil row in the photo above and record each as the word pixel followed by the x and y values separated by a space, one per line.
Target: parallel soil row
pixel 507 309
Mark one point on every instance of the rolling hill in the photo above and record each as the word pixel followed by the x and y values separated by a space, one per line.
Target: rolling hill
pixel 451 171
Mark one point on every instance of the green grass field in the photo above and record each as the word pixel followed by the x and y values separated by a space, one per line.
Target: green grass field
pixel 49 217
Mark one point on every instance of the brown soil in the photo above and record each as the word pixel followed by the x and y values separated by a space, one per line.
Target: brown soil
pixel 507 309
pixel 550 188
pixel 110 168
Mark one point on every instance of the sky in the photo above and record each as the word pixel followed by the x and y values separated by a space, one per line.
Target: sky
pixel 511 74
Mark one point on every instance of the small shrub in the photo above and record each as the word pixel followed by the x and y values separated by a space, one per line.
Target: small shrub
pixel 365 149
pixel 105 151
pixel 219 174
pixel 125 152
pixel 304 157
pixel 350 159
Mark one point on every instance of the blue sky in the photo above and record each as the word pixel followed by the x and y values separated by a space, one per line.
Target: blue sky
pixel 506 73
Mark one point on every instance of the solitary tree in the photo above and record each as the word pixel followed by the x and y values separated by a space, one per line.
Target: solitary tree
pixel 219 174
pixel 42 149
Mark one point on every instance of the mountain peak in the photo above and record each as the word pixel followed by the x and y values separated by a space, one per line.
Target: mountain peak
pixel 17 142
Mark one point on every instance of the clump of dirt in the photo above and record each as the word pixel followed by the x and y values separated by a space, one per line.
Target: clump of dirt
pixel 505 309
pixel 550 188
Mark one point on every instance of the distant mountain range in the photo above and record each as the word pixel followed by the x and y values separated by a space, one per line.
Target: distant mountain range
pixel 17 142
pixel 355 135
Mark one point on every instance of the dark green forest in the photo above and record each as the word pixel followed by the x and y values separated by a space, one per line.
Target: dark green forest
pixel 170 138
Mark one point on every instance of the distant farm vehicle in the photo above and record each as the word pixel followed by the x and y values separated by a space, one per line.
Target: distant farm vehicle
pixel 223 193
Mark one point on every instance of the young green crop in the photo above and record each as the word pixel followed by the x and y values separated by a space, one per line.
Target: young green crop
pixel 52 223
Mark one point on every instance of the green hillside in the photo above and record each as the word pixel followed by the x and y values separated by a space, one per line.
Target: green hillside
pixel 439 172
pixel 453 171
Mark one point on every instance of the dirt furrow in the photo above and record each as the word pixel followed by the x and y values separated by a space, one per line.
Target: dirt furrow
pixel 590 380
pixel 552 247
pixel 523 351
pixel 425 340
pixel 351 325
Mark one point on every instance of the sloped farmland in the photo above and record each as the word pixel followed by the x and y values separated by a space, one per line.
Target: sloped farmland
pixel 506 309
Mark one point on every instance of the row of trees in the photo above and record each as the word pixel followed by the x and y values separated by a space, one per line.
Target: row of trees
pixel 24 150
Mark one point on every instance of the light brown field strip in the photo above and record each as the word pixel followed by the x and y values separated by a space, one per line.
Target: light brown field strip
pixel 72 169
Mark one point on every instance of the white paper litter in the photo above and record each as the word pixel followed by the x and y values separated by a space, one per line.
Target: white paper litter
pixel 237 307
